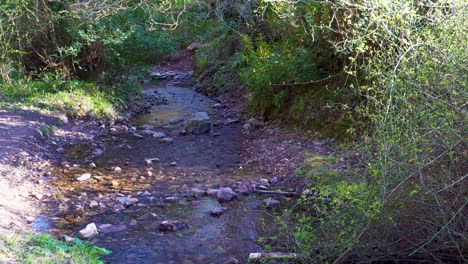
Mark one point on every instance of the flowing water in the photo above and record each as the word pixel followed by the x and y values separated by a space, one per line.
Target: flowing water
pixel 202 161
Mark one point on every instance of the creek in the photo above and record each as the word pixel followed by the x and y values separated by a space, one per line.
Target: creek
pixel 168 180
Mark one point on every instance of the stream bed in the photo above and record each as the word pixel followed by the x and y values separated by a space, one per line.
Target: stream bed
pixel 136 182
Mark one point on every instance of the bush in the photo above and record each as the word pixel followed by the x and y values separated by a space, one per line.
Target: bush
pixel 408 59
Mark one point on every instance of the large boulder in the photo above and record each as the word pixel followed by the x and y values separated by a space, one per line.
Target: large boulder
pixel 199 123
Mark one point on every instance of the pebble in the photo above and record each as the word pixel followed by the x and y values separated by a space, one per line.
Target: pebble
pixel 171 199
pixel 84 177
pixel 92 165
pixel 60 150
pixel 137 136
pixel 93 204
pixel 117 169
pixel 174 163
pixel 159 135
pixel 166 140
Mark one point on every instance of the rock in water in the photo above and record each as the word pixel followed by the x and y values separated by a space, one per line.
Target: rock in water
pixel 159 135
pixel 108 228
pixel 226 194
pixel 217 211
pixel 89 231
pixel 212 192
pixel 264 182
pixel 172 226
pixel 166 140
pixel 200 123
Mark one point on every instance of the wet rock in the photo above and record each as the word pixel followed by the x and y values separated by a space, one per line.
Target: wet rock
pixel 218 123
pixel 92 165
pixel 171 199
pixel 108 228
pixel 231 121
pixel 175 121
pixel 174 164
pixel 226 194
pixel 93 204
pixel 137 136
pixel 218 211
pixel 146 193
pixel 183 132
pixel 150 161
pixel 264 182
pixel 217 105
pixel 199 123
pixel 270 203
pixel 84 177
pixel 197 192
pixel 172 226
pixel 159 135
pixel 60 150
pixel 166 140
pixel 116 130
pixel 216 134
pixel 262 187
pixel 98 152
pixel 274 180
pixel 133 222
pixel 127 201
pixel 117 208
pixel 117 169
pixel 89 231
pixel 147 132
pixel 212 192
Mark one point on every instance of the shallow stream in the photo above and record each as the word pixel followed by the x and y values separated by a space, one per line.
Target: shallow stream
pixel 189 161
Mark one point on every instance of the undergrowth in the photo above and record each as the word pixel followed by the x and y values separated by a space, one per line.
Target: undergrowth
pixel 42 248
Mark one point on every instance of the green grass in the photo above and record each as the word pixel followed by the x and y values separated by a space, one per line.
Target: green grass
pixel 74 98
pixel 42 248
